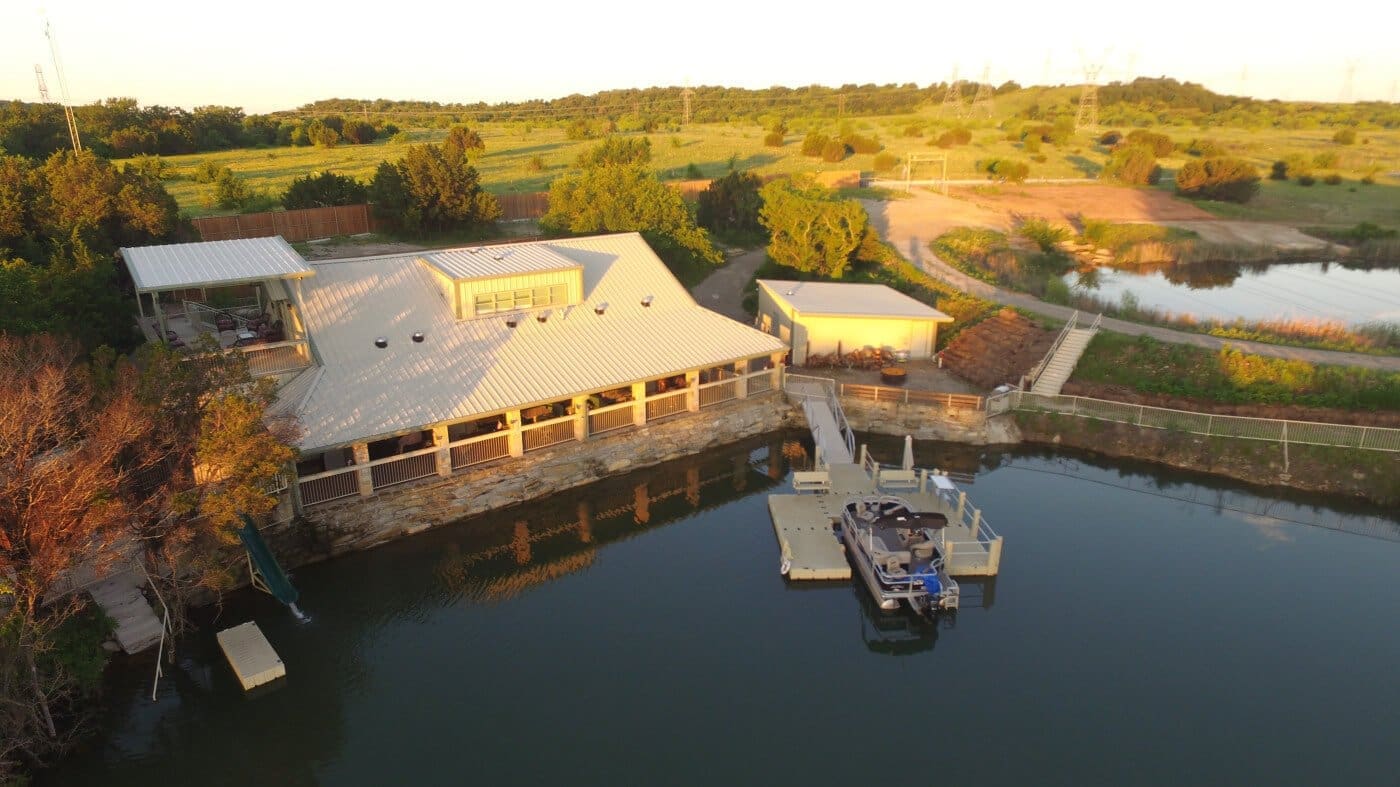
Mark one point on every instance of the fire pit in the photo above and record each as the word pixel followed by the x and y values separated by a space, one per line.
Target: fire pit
pixel 892 375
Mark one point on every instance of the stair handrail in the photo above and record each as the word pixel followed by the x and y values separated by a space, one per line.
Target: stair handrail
pixel 1098 321
pixel 164 628
pixel 1070 324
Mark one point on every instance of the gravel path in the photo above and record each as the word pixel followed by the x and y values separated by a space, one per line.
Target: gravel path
pixel 723 290
pixel 911 224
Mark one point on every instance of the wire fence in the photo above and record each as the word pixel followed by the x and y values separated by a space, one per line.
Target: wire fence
pixel 1369 438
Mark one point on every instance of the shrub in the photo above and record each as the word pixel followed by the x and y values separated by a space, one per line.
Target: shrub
pixel 1228 179
pixel 1039 158
pixel 208 172
pixel 1007 170
pixel 1205 148
pixel 1044 234
pixel 1110 138
pixel 1061 131
pixel 1306 180
pixel 1345 136
pixel 323 190
pixel 1159 144
pixel 578 129
pixel 884 162
pixel 693 172
pixel 1279 171
pixel 1332 179
pixel 861 144
pixel 913 130
pixel 773 139
pixel 536 164
pixel 834 150
pixel 1134 165
pixel 1031 144
pixel 813 144
pixel 952 137
pixel 1325 160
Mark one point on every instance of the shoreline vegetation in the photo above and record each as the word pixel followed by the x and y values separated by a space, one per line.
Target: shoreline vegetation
pixel 998 259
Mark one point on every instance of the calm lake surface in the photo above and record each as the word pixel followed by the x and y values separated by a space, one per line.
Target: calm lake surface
pixel 1304 291
pixel 1148 627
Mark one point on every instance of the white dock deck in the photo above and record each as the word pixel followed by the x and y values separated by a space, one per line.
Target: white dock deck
pixel 250 655
pixel 135 624
pixel 807 540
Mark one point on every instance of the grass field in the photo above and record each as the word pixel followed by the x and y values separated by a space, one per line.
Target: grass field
pixel 508 164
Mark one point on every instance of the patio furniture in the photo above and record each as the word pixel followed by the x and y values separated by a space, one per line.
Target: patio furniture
pixel 893 375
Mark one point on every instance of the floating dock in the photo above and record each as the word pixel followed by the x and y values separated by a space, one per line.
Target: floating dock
pixel 250 655
pixel 804 522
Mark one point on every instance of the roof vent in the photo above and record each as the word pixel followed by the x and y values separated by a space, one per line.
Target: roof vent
pixel 498 256
pixel 599 308
pixel 512 321
pixel 381 342
pixel 542 316
pixel 417 337
pixel 474 250
pixel 647 300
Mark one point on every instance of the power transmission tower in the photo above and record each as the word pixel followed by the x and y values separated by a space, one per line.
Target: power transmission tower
pixel 952 99
pixel 686 95
pixel 1348 83
pixel 63 89
pixel 982 102
pixel 1088 114
pixel 43 86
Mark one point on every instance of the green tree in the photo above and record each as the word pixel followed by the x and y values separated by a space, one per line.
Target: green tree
pixel 730 205
pixel 611 195
pixel 1134 165
pixel 432 188
pixel 1228 179
pixel 463 141
pixel 323 190
pixel 616 151
pixel 809 228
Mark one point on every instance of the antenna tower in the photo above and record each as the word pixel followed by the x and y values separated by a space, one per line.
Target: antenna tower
pixel 62 88
pixel 43 86
pixel 982 102
pixel 952 100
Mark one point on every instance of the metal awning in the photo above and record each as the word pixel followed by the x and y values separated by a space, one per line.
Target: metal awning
pixel 219 263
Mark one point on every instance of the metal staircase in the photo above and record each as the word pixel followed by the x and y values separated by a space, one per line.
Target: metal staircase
pixel 1050 374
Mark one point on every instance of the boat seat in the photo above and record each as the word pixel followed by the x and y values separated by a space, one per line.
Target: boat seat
pixel 893 566
pixel 922 551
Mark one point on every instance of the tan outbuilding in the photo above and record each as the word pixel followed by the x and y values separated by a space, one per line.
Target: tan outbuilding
pixel 818 317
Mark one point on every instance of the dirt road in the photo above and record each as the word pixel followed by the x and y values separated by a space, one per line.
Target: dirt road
pixel 911 224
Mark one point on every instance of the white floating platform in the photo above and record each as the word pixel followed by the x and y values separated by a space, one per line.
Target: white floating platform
pixel 805 537
pixel 250 655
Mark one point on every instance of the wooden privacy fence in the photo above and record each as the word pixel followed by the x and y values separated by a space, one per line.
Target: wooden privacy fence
pixel 293 225
pixel 880 393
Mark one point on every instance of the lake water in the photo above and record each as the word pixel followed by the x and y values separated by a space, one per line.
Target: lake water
pixel 1305 291
pixel 1149 627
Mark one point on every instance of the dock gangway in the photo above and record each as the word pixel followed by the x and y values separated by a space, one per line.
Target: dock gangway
pixel 831 432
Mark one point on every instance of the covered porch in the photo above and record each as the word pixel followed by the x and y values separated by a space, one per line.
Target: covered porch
pixel 239 294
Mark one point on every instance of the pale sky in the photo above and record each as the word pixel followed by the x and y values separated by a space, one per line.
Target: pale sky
pixel 264 56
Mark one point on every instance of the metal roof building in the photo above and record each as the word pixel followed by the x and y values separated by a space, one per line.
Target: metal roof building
pixel 180 266
pixel 634 322
pixel 818 318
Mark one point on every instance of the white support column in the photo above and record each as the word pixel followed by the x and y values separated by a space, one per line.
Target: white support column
pixel 741 382
pixel 362 473
pixel 580 417
pixel 639 408
pixel 692 390
pixel 516 438
pixel 444 454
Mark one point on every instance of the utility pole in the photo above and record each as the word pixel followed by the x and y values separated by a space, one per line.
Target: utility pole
pixel 1348 83
pixel 63 89
pixel 982 102
pixel 840 106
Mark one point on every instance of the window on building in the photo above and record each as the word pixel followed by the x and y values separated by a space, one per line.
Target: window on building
pixel 529 298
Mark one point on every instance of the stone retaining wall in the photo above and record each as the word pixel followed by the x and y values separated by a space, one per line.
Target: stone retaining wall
pixel 360 523
pixel 924 422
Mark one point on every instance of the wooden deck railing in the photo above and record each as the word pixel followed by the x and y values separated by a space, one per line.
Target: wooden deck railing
pixel 482 448
pixel 614 416
pixel 403 468
pixel 277 357
pixel 666 405
pixel 547 433
pixel 328 486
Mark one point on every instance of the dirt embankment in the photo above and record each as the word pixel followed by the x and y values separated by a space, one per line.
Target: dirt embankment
pixel 1368 475
pixel 1330 415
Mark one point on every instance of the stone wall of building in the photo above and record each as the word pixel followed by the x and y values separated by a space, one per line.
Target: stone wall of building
pixel 360 523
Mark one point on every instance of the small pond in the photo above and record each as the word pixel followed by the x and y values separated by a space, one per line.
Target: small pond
pixel 1311 291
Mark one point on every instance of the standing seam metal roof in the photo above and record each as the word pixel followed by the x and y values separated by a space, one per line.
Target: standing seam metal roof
pixel 211 263
pixel 475 367
pixel 481 261
pixel 846 299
